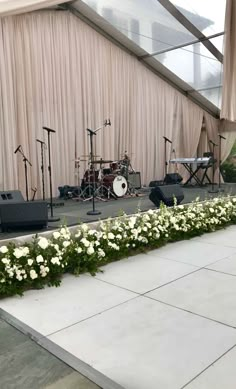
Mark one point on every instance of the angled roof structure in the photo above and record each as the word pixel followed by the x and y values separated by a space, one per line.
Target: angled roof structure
pixel 180 40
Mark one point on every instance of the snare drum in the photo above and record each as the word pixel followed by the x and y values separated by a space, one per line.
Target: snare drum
pixel 117 184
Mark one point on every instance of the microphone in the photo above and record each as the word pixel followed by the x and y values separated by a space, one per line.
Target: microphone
pixel 221 136
pixel 18 148
pixel 48 129
pixel 168 140
pixel 40 141
pixel 214 144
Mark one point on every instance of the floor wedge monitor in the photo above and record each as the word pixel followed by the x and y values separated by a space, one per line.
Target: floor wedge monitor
pixel 166 194
pixel 23 215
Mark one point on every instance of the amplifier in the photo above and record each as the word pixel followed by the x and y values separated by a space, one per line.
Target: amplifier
pixel 135 179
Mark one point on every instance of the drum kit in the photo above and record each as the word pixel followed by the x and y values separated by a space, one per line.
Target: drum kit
pixel 109 178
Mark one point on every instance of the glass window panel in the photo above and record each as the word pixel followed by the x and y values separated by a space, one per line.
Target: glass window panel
pixel 195 65
pixel 218 42
pixel 207 15
pixel 145 22
pixel 214 95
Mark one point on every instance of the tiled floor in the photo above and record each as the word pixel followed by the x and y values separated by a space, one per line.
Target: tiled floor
pixel 165 319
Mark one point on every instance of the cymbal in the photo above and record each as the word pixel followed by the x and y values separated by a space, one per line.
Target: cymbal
pixel 101 161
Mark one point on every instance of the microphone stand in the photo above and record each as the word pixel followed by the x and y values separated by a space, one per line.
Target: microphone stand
pixel 213 190
pixel 166 162
pixel 25 160
pixel 49 130
pixel 42 166
pixel 91 134
pixel 219 186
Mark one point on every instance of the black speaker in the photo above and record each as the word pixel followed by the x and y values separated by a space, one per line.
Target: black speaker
pixel 152 184
pixel 26 214
pixel 135 179
pixel 166 194
pixel 11 196
pixel 173 178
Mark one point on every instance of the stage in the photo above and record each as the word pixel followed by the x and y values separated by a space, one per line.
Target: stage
pixel 72 212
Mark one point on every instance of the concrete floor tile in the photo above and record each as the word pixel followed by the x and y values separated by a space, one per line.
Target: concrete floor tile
pixel 51 309
pixel 193 252
pixel 221 375
pixel 227 265
pixel 143 272
pixel 146 344
pixel 225 237
pixel 205 292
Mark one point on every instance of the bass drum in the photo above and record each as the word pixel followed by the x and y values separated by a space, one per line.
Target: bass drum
pixel 118 184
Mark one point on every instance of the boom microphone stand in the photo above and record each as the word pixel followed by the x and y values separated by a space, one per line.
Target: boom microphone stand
pixel 91 134
pixel 220 137
pixel 25 160
pixel 49 130
pixel 213 190
pixel 166 162
pixel 42 165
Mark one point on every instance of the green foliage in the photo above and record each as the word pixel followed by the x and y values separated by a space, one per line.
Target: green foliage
pixel 43 260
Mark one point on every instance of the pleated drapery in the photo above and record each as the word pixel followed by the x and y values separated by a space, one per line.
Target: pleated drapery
pixel 56 71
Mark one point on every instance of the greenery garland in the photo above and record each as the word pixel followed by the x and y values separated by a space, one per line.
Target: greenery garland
pixel 43 260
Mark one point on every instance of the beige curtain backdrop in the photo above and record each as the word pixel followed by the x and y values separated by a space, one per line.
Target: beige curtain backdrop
pixel 12 7
pixel 58 72
pixel 228 110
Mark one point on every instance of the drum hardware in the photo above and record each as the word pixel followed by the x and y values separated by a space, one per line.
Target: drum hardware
pixel 100 161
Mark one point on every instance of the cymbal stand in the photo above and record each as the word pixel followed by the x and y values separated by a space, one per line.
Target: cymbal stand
pixel 91 134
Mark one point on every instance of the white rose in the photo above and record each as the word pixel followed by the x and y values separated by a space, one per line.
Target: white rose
pixel 30 262
pixel 66 243
pixel 43 243
pixel 56 235
pixel 90 250
pixel 18 253
pixel 110 235
pixel 39 258
pixel 25 251
pixel 55 261
pixel 3 249
pixel 33 274
pixel 79 250
pixel 6 261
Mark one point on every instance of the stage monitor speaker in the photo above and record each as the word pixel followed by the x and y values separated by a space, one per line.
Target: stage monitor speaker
pixel 173 178
pixel 11 196
pixel 166 194
pixel 24 215
pixel 152 184
pixel 135 179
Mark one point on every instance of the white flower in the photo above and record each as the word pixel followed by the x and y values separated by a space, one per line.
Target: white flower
pixel 66 243
pixel 43 243
pixel 25 250
pixel 33 274
pixel 39 258
pixel 90 250
pixel 30 262
pixel 55 261
pixel 79 250
pixel 56 235
pixel 18 252
pixel 84 227
pixel 101 253
pixel 110 235
pixel 6 261
pixel 2 280
pixel 3 249
pixel 19 277
pixel 85 242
